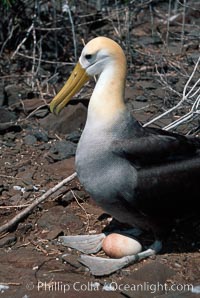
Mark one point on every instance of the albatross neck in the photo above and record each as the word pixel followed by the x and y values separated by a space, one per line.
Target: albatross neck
pixel 107 100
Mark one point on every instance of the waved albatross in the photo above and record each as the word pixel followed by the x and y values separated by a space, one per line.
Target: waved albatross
pixel 145 177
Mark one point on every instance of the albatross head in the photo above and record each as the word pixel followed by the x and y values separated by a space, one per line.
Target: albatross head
pixel 100 54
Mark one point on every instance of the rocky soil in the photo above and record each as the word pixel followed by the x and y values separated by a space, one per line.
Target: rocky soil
pixel 38 149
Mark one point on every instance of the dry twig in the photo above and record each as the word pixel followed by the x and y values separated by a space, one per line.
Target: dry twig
pixel 87 216
pixel 23 41
pixel 37 201
pixel 187 95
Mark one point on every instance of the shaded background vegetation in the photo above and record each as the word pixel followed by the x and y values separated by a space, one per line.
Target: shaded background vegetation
pixel 40 41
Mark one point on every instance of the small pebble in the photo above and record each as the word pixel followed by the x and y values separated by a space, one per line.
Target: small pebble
pixel 30 140
pixel 117 246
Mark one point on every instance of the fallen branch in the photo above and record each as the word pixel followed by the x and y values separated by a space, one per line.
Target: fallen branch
pixel 37 201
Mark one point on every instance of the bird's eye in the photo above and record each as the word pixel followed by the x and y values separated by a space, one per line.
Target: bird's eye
pixel 88 56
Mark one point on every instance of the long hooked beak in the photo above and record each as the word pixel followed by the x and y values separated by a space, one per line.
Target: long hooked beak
pixel 76 80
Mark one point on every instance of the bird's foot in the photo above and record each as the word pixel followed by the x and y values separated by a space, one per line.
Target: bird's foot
pixel 91 244
pixel 88 244
pixel 102 266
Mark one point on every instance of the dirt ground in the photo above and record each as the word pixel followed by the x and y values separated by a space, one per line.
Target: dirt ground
pixel 37 152
pixel 31 258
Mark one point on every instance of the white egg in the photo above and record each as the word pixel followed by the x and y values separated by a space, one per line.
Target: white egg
pixel 117 246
